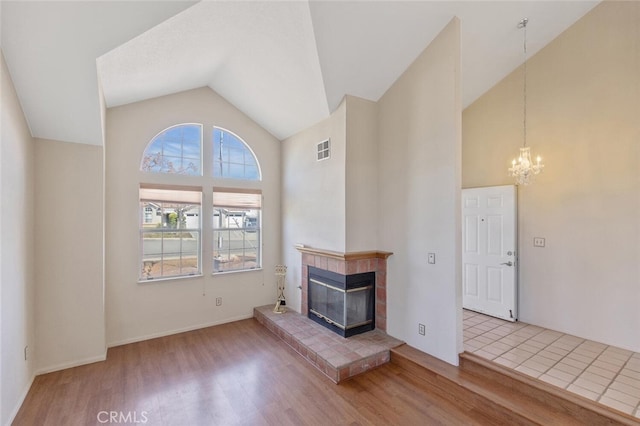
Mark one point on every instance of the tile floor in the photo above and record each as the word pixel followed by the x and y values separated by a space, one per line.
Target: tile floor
pixel 602 373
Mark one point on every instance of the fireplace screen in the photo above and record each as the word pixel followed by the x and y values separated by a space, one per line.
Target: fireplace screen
pixel 342 303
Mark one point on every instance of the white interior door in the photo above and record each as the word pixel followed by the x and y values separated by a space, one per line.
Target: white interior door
pixel 489 241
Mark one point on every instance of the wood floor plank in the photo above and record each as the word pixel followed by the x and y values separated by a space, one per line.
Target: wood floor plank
pixel 232 374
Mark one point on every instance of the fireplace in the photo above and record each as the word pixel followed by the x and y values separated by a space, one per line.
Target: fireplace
pixel 344 304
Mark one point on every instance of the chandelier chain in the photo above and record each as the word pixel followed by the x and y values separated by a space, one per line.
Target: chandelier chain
pixel 523 24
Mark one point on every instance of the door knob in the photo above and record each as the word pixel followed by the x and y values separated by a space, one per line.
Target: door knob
pixel 509 263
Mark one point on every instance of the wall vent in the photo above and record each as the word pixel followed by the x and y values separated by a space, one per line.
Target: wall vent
pixel 324 150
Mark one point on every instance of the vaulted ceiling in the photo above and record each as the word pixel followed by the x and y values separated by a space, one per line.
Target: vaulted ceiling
pixel 286 64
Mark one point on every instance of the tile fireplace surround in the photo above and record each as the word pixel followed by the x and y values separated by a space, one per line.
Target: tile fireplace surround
pixel 336 357
pixel 347 264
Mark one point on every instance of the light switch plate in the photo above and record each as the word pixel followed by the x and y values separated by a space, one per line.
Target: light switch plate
pixel 431 258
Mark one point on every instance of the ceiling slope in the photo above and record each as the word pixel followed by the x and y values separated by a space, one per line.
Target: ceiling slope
pixel 51 48
pixel 286 64
pixel 260 56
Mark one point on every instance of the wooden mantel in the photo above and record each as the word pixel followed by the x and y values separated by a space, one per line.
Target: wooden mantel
pixel 354 255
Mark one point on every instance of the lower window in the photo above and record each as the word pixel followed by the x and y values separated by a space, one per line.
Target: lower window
pixel 236 230
pixel 169 233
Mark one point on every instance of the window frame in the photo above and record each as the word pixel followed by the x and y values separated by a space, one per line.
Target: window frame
pixel 207 183
pixel 160 195
pixel 238 200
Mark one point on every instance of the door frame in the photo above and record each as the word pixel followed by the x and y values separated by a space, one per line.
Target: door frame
pixel 516 248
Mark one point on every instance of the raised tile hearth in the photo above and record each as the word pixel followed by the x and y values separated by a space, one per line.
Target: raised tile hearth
pixel 337 357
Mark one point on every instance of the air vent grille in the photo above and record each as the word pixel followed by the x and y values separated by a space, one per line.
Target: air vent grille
pixel 324 150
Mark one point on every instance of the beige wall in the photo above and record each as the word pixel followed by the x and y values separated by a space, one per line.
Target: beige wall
pixel 393 183
pixel 361 175
pixel 17 253
pixel 313 195
pixel 138 311
pixel 419 198
pixel 584 120
pixel 70 323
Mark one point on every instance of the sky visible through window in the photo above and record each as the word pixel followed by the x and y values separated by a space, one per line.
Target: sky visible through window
pixel 232 159
pixel 176 150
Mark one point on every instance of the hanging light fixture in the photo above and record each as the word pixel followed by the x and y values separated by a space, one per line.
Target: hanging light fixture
pixel 524 169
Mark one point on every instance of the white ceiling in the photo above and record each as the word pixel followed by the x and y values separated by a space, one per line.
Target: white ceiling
pixel 286 64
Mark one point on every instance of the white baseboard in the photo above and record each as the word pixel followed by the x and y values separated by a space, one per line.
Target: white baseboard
pixel 71 364
pixel 176 331
pixel 14 413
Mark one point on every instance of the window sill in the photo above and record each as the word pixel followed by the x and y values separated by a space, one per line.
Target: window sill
pixel 239 271
pixel 162 279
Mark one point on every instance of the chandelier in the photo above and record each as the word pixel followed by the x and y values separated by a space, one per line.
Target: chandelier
pixel 524 169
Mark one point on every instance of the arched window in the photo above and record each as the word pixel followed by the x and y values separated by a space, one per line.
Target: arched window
pixel 232 157
pixel 177 149
pixel 172 215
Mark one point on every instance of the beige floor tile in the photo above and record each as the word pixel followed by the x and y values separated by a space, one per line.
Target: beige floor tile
pixel 506 362
pixel 557 350
pixel 547 362
pixel 587 352
pixel 601 371
pixel 581 358
pixel 620 406
pixel 622 397
pixel 482 339
pixel 583 392
pixel 595 378
pixel 570 369
pixel 589 385
pixel 513 340
pixel 485 354
pixel 551 355
pixel 568 346
pixel 534 365
pixel 595 345
pixel 575 363
pixel 590 369
pixel 617 361
pixel 623 387
pixel 606 365
pixel 518 358
pixel 554 381
pixel 628 381
pixel 619 351
pixel 562 375
pixel 528 371
pixel 630 373
pixel 536 344
pixel 528 347
pixel 633 364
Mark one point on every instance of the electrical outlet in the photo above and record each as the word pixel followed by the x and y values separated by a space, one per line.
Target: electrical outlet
pixel 431 258
pixel 538 242
pixel 218 301
pixel 421 329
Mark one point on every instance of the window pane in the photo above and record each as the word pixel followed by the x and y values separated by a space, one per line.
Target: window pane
pixel 170 240
pixel 176 150
pixel 232 158
pixel 236 239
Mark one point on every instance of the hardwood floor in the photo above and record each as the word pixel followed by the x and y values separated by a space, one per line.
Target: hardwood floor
pixel 233 374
